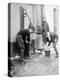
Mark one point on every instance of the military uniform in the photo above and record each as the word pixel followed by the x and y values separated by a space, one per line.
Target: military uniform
pixel 54 39
pixel 20 45
pixel 45 29
pixel 23 38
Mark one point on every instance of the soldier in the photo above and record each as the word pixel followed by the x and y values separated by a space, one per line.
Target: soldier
pixel 32 36
pixel 39 28
pixel 21 46
pixel 23 39
pixel 54 39
pixel 39 36
pixel 45 28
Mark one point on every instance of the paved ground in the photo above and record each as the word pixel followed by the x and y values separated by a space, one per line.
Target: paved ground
pixel 39 65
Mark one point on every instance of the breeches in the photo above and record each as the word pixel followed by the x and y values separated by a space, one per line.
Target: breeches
pixel 26 50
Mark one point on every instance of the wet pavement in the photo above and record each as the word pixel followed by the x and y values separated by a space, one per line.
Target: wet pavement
pixel 39 65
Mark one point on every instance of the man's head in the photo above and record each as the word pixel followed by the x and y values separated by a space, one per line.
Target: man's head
pixel 38 23
pixel 31 28
pixel 43 19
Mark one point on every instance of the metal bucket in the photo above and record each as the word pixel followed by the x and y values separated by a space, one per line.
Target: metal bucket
pixel 47 53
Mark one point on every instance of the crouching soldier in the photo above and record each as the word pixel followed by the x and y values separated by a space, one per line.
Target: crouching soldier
pixel 54 39
pixel 23 38
pixel 21 46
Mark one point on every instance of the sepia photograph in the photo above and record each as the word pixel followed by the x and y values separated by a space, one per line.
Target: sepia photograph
pixel 33 39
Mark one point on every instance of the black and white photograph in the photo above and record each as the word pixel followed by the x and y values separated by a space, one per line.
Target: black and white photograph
pixel 33 39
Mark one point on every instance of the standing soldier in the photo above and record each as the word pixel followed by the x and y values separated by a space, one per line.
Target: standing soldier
pixel 32 36
pixel 45 28
pixel 39 36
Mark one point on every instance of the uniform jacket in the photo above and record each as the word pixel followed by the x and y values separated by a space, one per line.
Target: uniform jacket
pixel 25 35
pixel 45 27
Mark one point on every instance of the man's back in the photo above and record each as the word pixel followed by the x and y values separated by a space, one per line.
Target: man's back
pixel 25 33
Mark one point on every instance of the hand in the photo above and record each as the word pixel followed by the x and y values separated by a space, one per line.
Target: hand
pixel 30 42
pixel 26 41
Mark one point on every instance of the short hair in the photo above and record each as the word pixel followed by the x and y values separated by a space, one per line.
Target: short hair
pixel 43 17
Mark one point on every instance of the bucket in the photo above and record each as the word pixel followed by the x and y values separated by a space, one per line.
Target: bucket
pixel 47 53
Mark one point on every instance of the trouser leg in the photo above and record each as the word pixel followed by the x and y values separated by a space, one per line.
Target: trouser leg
pixel 33 45
pixel 43 38
pixel 54 46
pixel 26 51
pixel 22 54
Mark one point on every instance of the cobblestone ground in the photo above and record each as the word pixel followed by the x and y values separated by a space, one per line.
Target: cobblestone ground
pixel 39 65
